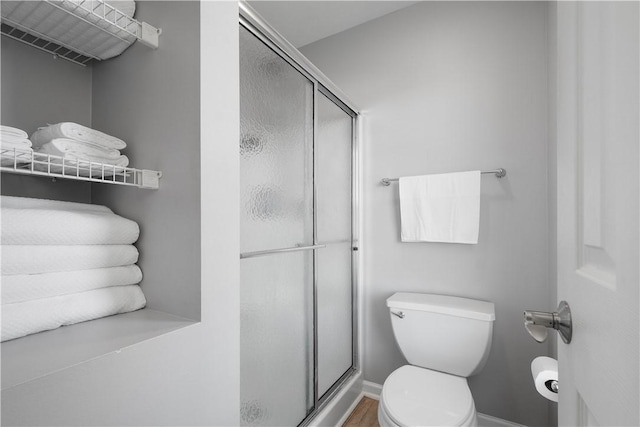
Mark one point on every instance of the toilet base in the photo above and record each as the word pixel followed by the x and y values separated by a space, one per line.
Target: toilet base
pixel 383 418
pixel 385 421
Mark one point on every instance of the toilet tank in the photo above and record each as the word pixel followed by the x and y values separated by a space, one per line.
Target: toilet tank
pixel 444 333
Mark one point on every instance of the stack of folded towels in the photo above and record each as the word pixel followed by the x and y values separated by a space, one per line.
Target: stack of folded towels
pixel 14 143
pixel 64 263
pixel 77 142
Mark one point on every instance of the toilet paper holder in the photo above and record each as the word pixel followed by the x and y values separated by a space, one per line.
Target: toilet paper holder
pixel 544 371
pixel 537 323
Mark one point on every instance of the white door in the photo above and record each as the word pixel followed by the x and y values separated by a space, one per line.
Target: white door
pixel 598 191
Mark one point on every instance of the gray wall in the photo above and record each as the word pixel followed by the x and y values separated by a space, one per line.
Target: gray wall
pixel 30 100
pixel 453 86
pixel 151 99
pixel 189 376
pixel 128 97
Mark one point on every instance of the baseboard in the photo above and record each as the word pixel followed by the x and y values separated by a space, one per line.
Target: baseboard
pixel 489 421
pixel 374 390
pixel 371 390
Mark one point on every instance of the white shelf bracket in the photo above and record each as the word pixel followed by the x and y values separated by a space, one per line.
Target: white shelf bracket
pixel 150 179
pixel 150 36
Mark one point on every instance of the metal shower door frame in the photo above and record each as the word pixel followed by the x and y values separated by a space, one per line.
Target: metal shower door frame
pixel 252 22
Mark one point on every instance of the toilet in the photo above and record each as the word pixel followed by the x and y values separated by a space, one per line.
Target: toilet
pixel 445 339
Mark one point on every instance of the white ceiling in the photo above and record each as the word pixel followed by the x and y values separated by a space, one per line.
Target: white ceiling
pixel 304 22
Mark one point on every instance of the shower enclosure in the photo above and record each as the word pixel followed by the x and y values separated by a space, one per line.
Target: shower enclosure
pixel 298 232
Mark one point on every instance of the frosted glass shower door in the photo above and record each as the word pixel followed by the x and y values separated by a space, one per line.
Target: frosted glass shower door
pixel 276 296
pixel 334 152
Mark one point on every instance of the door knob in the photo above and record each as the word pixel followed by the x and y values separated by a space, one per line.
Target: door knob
pixel 537 323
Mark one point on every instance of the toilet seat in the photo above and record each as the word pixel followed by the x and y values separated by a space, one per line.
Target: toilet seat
pixel 413 396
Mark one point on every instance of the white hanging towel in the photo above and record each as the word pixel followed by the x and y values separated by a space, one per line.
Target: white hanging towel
pixel 440 208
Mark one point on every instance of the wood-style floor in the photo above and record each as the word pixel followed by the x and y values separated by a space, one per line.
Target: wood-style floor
pixel 365 414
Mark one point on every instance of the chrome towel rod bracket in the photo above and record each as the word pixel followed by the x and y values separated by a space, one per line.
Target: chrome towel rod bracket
pixel 499 173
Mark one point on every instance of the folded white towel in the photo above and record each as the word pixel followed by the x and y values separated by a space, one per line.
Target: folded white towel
pixel 66 147
pixel 36 259
pixel 13 141
pixel 74 156
pixel 57 227
pixel 77 132
pixel 8 130
pixel 26 287
pixel 32 203
pixel 34 316
pixel 440 208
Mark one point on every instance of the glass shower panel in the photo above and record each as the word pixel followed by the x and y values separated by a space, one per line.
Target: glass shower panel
pixel 276 195
pixel 276 325
pixel 276 136
pixel 334 204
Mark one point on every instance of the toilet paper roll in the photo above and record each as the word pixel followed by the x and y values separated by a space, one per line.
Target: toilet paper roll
pixel 545 376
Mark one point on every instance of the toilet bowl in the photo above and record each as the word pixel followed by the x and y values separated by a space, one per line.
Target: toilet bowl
pixel 445 339
pixel 413 396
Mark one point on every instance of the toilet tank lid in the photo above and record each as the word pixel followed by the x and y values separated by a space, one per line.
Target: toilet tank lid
pixel 443 304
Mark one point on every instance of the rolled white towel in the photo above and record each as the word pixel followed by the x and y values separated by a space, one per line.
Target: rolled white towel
pixel 33 203
pixel 66 147
pixel 37 259
pixel 11 131
pixel 78 132
pixel 57 227
pixel 44 314
pixel 74 156
pixel 26 287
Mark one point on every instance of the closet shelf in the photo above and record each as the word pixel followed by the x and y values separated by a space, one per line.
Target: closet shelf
pixel 35 356
pixel 75 30
pixel 27 162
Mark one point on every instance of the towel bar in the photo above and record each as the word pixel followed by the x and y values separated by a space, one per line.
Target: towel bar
pixel 277 251
pixel 499 173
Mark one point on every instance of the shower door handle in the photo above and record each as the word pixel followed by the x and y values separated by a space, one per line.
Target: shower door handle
pixel 282 250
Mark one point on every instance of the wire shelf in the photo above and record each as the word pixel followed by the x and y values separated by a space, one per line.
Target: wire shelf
pixel 75 30
pixel 27 162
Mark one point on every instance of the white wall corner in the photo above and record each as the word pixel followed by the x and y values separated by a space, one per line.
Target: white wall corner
pixel 371 390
